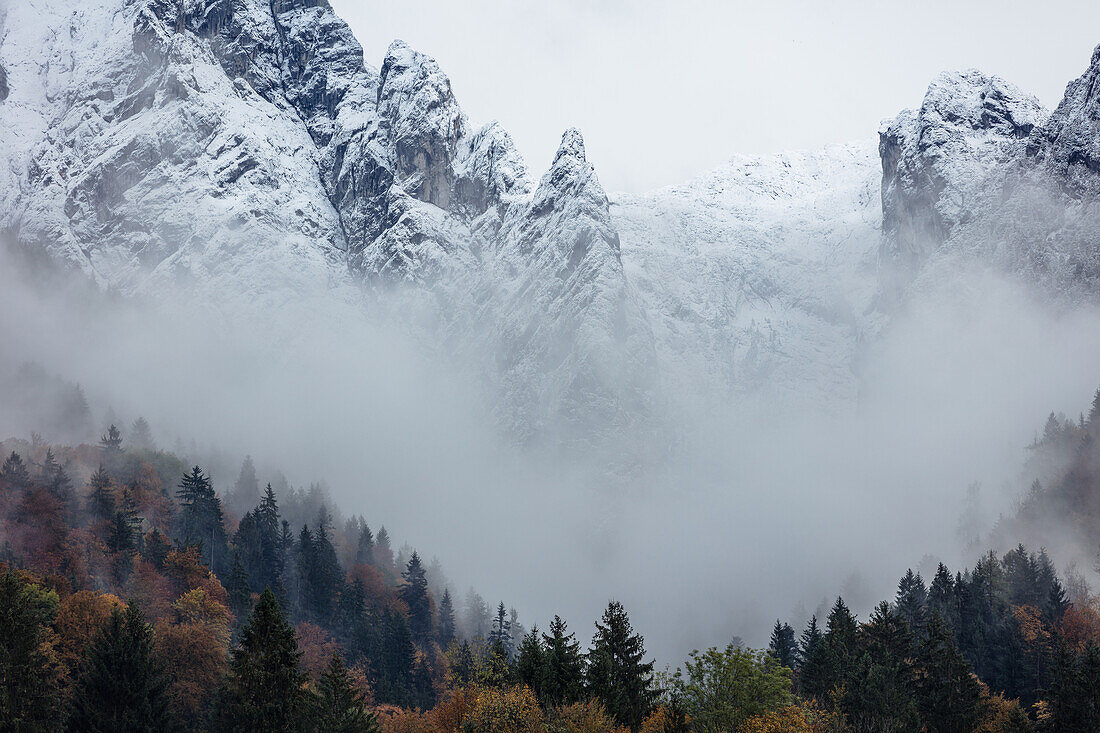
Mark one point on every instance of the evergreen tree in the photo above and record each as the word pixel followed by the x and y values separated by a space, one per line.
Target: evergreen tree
pixel 531 662
pixel 878 695
pixel 814 679
pixel 265 688
pixel 948 696
pixel 326 577
pixel 617 675
pixel 55 478
pixel 111 442
pixel 29 675
pixel 783 646
pixel 101 497
pixel 123 687
pixel 447 633
pixel 200 519
pixel 156 549
pixel 339 707
pixel 364 551
pixel 500 636
pixel 246 490
pixel 941 594
pixel 141 437
pixel 563 682
pixel 415 595
pixel 238 590
pixel 912 602
pixel 14 474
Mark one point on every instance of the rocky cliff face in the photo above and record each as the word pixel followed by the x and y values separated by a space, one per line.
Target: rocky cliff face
pixel 244 147
pixel 1068 145
pixel 948 161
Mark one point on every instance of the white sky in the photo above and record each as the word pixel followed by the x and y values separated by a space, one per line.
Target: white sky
pixel 665 90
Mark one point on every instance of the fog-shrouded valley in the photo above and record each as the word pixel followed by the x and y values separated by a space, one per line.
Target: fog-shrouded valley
pixel 323 408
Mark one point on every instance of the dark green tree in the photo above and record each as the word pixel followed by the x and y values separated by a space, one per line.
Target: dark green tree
pixel 200 518
pixel 948 695
pixel 415 595
pixel 364 551
pixel 564 676
pixel 265 689
pixel 101 497
pixel 238 590
pixel 124 686
pixel 111 442
pixel 447 634
pixel 531 662
pixel 617 675
pixel 500 634
pixel 339 707
pixel 783 646
pixel 912 602
pixel 14 474
pixel 878 695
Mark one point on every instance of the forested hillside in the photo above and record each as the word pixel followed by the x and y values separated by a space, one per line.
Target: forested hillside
pixel 135 597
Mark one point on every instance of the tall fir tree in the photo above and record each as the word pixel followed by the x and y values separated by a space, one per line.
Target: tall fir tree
pixel 265 689
pixel 948 695
pixel 201 522
pixel 500 634
pixel 414 593
pixel 912 602
pixel 364 550
pixel 813 677
pixel 101 495
pixel 563 682
pixel 339 707
pixel 14 474
pixel 447 634
pixel 531 662
pixel 618 676
pixel 124 686
pixel 782 645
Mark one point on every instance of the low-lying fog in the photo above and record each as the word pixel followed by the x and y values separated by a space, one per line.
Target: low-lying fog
pixel 749 517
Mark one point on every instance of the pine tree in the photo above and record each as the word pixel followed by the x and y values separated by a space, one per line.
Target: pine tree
pixel 415 595
pixel 101 498
pixel 124 686
pixel 948 695
pixel 339 707
pixel 265 688
pixel 941 594
pixel 55 478
pixel 326 577
pixel 878 693
pixel 563 682
pixel 531 662
pixel 783 646
pixel 617 675
pixel 447 633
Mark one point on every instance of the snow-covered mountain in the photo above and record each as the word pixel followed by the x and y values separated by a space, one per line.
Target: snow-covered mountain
pixel 244 148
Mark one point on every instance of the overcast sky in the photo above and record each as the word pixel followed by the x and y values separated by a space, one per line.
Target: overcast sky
pixel 665 90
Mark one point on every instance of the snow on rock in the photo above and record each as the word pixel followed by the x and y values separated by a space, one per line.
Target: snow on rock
pixel 757 276
pixel 948 161
pixel 1068 145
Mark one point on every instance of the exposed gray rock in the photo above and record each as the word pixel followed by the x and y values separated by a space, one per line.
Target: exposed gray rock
pixel 1068 145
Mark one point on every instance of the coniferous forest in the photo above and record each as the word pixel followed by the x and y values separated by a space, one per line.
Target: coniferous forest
pixel 135 597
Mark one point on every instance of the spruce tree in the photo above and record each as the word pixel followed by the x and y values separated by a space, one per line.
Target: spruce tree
pixel 783 646
pixel 617 675
pixel 124 686
pixel 111 442
pixel 200 519
pixel 101 497
pixel 948 695
pixel 912 602
pixel 500 635
pixel 141 437
pixel 14 474
pixel 364 551
pixel 415 595
pixel 339 707
pixel 563 682
pixel 531 662
pixel 813 674
pixel 238 590
pixel 447 634
pixel 265 689
pixel 878 693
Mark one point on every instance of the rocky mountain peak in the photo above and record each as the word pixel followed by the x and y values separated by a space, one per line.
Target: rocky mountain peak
pixel 1068 145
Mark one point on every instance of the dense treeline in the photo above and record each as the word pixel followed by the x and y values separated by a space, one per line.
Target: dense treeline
pixel 133 596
